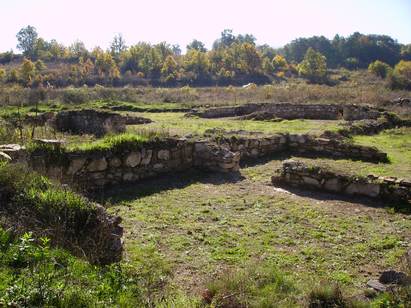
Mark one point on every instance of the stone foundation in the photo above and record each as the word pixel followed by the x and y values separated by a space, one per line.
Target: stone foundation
pixel 293 111
pixel 298 174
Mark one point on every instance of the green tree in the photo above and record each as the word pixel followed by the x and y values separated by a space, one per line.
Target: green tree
pixel 164 50
pixel 27 69
pixel 39 66
pixel 57 50
pixel 27 38
pixel 313 67
pixel 117 45
pixel 379 68
pixel 6 57
pixel 196 45
pixel 267 51
pixel 234 57
pixel 176 49
pixel 14 74
pixel 78 49
pixel 42 49
pixel 267 65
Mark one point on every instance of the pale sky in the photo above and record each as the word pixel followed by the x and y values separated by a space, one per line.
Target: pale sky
pixel 276 23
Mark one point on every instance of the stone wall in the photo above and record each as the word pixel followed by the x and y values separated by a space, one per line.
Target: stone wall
pixel 300 144
pixel 99 168
pixel 115 166
pixel 300 175
pixel 88 121
pixel 280 110
pixel 354 112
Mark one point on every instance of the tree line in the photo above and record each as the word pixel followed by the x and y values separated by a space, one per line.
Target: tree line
pixel 229 57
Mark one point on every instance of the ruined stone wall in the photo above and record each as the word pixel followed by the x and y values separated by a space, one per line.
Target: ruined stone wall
pixel 294 111
pixel 88 121
pixel 300 144
pixel 299 174
pixel 354 112
pixel 99 168
pixel 280 110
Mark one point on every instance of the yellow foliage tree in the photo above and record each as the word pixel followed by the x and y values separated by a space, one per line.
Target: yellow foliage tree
pixel 27 69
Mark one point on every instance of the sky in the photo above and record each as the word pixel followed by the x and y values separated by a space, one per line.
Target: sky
pixel 272 22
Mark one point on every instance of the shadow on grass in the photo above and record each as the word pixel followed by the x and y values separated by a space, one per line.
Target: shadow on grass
pixel 114 195
pixel 323 195
pixel 127 192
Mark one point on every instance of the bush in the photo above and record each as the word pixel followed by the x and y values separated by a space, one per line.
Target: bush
pixel 397 82
pixel 379 68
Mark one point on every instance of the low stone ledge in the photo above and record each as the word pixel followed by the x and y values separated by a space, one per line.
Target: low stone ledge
pixel 296 173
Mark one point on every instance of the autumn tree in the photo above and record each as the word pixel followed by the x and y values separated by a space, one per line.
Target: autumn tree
pixel 169 65
pixel 404 68
pixel 27 69
pixel 196 61
pixel 105 62
pixel 279 63
pixel 313 67
pixel 88 67
pixel 252 57
pixel 27 38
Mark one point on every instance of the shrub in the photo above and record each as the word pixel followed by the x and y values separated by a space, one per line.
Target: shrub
pixel 379 68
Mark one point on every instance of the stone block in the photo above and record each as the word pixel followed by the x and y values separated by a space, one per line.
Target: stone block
pixel 311 182
pixel 130 177
pixel 76 165
pixel 303 138
pixel 97 175
pixel 293 138
pixel 367 189
pixel 227 166
pixel 98 164
pixel 322 141
pixel 200 147
pixel 132 159
pixel 177 154
pixel 114 162
pixel 333 185
pixel 101 182
pixel 146 158
pixel 163 155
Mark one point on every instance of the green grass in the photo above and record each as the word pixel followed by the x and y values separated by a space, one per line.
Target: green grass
pixel 217 228
pixel 175 123
pixel 123 140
